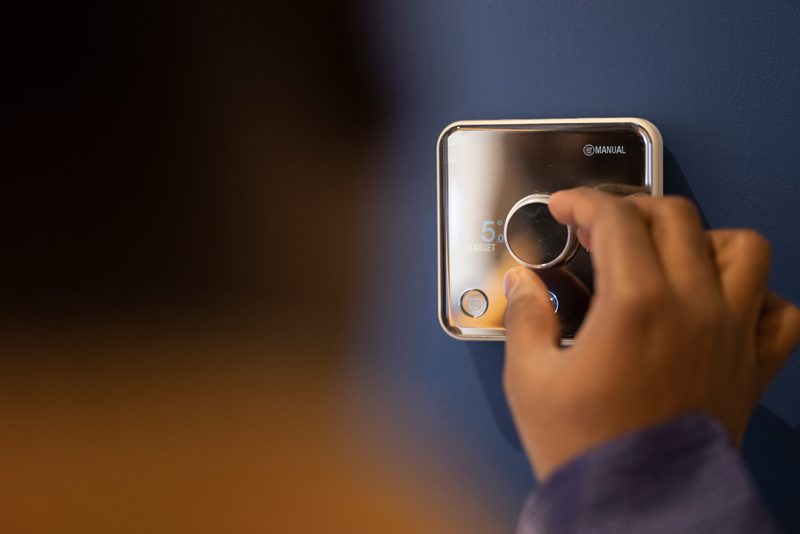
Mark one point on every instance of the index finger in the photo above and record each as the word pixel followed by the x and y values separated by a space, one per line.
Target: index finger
pixel 623 253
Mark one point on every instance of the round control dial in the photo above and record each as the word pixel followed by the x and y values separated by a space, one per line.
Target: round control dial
pixel 534 238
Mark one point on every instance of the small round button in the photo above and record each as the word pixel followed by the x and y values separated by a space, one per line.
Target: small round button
pixel 474 302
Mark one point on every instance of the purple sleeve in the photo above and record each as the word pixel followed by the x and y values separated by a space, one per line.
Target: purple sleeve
pixel 680 476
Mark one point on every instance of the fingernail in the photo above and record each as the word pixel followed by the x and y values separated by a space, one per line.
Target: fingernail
pixel 510 281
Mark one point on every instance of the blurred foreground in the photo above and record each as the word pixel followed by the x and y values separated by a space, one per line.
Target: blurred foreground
pixel 175 430
pixel 180 225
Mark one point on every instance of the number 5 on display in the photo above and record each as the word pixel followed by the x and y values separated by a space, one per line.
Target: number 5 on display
pixel 488 232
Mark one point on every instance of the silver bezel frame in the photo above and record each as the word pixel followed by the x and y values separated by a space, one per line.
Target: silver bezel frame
pixel 653 179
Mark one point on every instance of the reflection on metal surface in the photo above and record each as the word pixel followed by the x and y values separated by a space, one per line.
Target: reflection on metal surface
pixel 534 238
pixel 489 168
pixel 553 301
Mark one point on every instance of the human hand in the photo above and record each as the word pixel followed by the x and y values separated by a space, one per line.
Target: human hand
pixel 681 321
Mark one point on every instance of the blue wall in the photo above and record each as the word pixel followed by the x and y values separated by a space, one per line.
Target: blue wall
pixel 722 82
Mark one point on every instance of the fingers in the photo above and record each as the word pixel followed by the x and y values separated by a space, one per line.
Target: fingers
pixel 742 259
pixel 680 243
pixel 623 254
pixel 532 328
pixel 778 334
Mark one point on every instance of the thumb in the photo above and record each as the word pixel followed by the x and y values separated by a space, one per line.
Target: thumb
pixel 531 324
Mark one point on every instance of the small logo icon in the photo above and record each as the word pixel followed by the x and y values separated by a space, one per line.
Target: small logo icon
pixel 591 150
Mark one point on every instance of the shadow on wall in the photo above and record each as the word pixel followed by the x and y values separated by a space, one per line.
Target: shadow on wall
pixel 771 451
pixel 487 357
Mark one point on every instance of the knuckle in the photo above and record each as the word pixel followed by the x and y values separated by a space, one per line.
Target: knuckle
pixel 680 207
pixel 626 209
pixel 650 298
pixel 707 315
pixel 643 298
pixel 614 212
pixel 754 244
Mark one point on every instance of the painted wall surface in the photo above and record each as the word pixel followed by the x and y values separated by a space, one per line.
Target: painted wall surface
pixel 722 82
